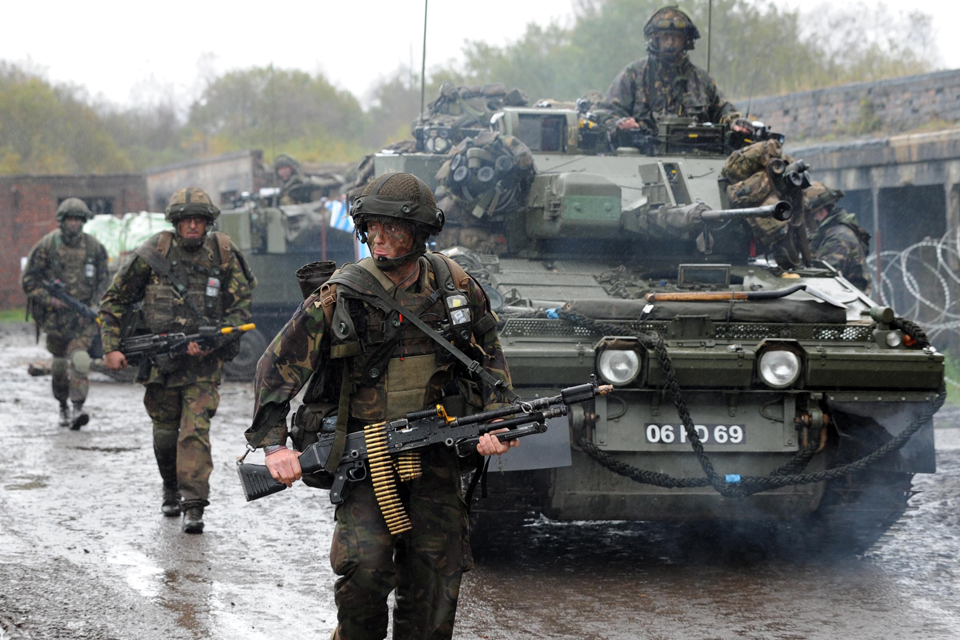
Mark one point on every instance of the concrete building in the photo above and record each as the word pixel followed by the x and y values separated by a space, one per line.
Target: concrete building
pixel 222 177
pixel 28 207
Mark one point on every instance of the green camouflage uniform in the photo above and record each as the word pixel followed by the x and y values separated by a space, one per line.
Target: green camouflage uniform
pixel 842 243
pixel 81 264
pixel 181 392
pixel 425 564
pixel 650 88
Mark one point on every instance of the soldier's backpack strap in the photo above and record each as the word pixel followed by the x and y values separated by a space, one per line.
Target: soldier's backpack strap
pixel 223 244
pixel 449 272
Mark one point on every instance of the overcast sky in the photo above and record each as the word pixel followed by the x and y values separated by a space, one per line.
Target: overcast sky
pixel 133 52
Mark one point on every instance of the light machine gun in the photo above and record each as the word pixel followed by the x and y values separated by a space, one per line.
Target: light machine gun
pixel 145 348
pixel 379 444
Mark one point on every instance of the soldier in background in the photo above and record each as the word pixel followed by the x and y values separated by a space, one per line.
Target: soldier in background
pixel 294 188
pixel 79 261
pixel 835 236
pixel 393 370
pixel 186 279
pixel 666 82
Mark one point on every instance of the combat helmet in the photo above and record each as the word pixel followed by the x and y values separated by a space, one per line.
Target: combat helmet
pixel 670 18
pixel 285 160
pixel 192 201
pixel 404 197
pixel 818 195
pixel 75 208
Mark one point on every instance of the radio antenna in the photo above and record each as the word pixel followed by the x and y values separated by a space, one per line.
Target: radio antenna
pixel 423 63
pixel 709 31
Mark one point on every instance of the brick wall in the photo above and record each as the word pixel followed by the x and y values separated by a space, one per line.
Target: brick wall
pixel 863 108
pixel 28 207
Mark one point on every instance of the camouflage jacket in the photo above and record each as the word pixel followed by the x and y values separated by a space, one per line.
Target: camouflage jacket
pixel 81 266
pixel 843 244
pixel 131 285
pixel 299 350
pixel 647 89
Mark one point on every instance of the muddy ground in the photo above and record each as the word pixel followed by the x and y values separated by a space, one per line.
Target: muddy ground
pixel 86 554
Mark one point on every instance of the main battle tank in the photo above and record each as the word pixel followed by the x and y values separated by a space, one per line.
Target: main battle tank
pixel 744 391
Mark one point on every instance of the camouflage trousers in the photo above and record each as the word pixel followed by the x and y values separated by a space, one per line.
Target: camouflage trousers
pixel 181 436
pixel 71 363
pixel 424 565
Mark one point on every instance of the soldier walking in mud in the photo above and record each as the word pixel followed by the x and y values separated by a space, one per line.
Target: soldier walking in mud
pixel 666 82
pixel 376 365
pixel 835 236
pixel 185 279
pixel 79 262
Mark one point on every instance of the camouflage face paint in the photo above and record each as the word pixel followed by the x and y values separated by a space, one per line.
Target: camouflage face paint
pixel 389 238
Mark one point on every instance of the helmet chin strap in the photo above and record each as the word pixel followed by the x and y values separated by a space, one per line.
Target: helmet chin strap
pixel 389 264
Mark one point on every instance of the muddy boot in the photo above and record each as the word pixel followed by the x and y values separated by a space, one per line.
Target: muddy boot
pixel 193 520
pixel 171 501
pixel 64 415
pixel 79 417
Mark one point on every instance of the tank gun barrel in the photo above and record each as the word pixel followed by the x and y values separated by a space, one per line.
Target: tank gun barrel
pixel 779 211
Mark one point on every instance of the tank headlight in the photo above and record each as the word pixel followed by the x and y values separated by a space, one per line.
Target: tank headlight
pixel 618 367
pixel 779 368
pixel 894 339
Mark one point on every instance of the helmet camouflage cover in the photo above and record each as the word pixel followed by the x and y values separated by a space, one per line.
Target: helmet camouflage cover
pixel 285 160
pixel 402 196
pixel 192 201
pixel 671 19
pixel 73 207
pixel 819 195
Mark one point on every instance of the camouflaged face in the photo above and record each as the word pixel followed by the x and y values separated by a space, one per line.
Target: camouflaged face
pixel 299 350
pixel 648 89
pixel 130 286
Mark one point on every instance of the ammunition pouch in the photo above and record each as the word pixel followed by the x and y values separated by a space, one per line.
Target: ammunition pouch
pixel 305 429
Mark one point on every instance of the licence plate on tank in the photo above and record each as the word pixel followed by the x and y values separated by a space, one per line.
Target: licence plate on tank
pixel 708 433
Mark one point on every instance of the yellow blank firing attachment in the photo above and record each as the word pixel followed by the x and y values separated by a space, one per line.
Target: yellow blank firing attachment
pixel 441 412
pixel 242 328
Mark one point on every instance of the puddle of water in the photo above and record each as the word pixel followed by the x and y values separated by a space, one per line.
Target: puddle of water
pixel 32 482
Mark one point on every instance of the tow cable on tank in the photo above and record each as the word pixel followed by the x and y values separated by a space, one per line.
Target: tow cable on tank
pixel 733 485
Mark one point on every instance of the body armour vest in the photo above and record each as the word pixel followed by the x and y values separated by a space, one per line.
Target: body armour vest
pixel 190 296
pixel 395 368
pixel 75 266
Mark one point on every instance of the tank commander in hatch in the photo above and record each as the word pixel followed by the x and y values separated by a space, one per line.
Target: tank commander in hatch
pixel 667 83
pixel 294 187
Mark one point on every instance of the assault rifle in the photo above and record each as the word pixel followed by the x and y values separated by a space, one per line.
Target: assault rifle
pixel 59 291
pixel 377 444
pixel 139 348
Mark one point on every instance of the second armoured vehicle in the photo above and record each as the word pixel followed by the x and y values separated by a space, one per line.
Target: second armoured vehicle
pixel 745 388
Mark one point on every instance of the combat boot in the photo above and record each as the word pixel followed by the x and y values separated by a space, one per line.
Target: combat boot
pixel 79 417
pixel 171 502
pixel 64 415
pixel 193 520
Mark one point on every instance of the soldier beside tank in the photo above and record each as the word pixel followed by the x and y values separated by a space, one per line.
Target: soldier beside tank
pixel 835 236
pixel 185 279
pixel 666 83
pixel 78 261
pixel 376 365
pixel 294 187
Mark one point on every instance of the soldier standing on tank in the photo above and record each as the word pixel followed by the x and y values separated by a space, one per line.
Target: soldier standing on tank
pixel 294 188
pixel 185 279
pixel 393 368
pixel 835 236
pixel 666 82
pixel 79 261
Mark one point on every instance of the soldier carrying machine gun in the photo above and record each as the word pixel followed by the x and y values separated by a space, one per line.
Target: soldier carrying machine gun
pixel 144 349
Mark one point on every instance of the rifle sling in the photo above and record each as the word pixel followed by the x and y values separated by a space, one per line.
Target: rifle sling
pixel 472 365
pixel 343 411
